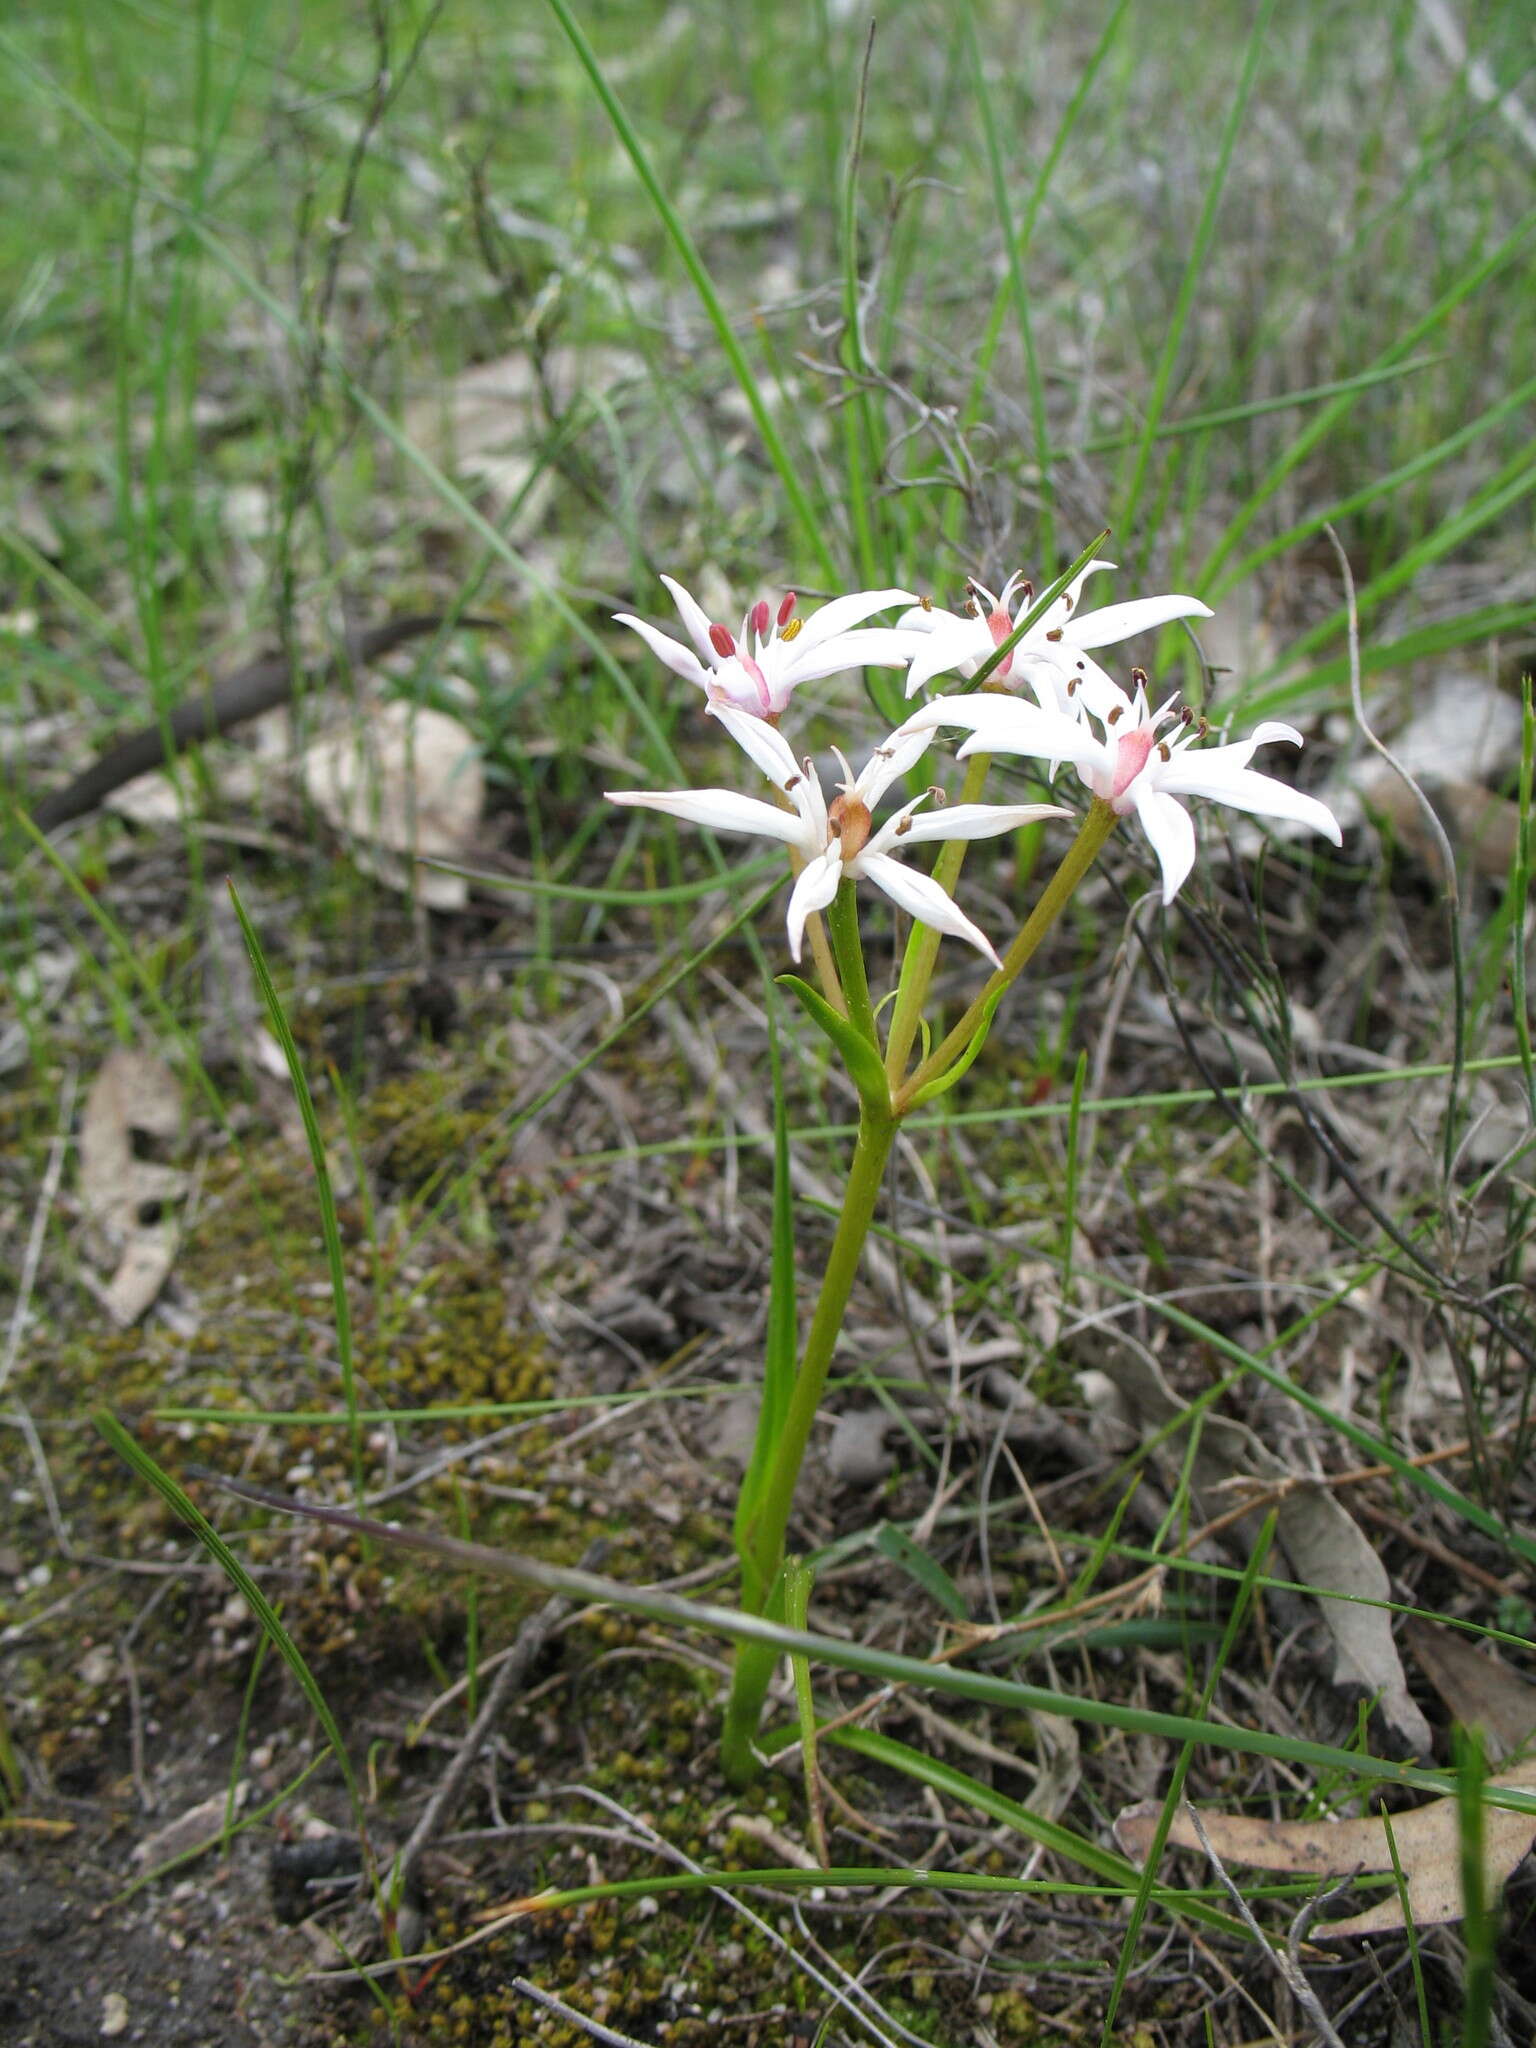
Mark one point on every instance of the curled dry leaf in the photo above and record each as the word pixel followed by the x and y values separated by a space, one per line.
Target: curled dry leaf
pixel 1477 1685
pixel 1324 1547
pixel 404 785
pixel 1427 1840
pixel 125 1198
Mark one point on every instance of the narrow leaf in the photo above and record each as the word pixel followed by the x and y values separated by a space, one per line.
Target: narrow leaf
pixel 941 1083
pixel 897 1545
pixel 865 1067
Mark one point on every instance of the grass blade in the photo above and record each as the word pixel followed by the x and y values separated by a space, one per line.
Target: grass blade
pixel 330 1227
pixel 1131 496
pixel 812 526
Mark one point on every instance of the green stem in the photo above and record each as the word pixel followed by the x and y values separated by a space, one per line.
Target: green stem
pixel 765 1535
pixel 1080 856
pixel 848 951
pixel 923 943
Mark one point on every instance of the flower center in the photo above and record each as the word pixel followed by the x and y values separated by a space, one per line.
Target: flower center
pixel 1131 753
pixel 849 820
pixel 999 625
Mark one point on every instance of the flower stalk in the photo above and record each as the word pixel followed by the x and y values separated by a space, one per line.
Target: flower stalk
pixel 765 1533
pixel 1054 898
pixel 923 942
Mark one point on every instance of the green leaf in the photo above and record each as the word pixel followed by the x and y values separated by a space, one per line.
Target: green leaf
pixel 866 1070
pixel 897 1545
pixel 958 1785
pixel 133 1453
pixel 330 1228
pixel 942 1082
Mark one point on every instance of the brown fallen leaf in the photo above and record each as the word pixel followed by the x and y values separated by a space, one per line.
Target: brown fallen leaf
pixel 1325 1548
pixel 1477 1685
pixel 1483 826
pixel 1427 1839
pixel 125 1198
pixel 402 785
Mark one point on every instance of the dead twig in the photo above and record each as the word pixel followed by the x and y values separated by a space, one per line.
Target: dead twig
pixel 1287 1965
pixel 593 2029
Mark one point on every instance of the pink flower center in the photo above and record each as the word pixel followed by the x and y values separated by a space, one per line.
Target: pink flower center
pixel 999 625
pixel 1130 758
pixel 761 681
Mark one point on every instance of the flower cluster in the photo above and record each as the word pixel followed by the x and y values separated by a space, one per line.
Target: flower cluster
pixel 1130 757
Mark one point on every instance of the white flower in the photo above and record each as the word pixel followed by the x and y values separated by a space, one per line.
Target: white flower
pixel 1131 766
pixel 840 842
pixel 1052 654
pixel 758 669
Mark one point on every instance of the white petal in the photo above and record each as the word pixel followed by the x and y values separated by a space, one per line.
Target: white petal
pixel 695 618
pixel 1172 833
pixel 734 685
pixel 967 641
pixel 1114 622
pixel 762 743
pixel 834 618
pixel 891 759
pixel 722 810
pixel 1246 790
pixel 1066 604
pixel 817 885
pixel 1009 725
pixel 1272 729
pixel 930 717
pixel 680 659
pixel 1048 675
pixel 962 821
pixel 870 647
pixel 921 897
pixel 923 618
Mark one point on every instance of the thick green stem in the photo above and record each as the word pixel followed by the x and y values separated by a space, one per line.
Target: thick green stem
pixel 923 944
pixel 1080 856
pixel 765 1534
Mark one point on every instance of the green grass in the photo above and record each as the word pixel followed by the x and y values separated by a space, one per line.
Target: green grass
pixel 792 307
